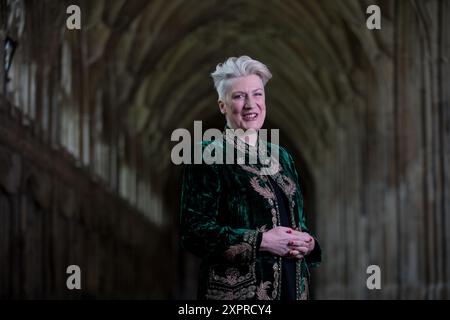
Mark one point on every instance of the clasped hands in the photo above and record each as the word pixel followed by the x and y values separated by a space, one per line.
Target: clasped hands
pixel 287 242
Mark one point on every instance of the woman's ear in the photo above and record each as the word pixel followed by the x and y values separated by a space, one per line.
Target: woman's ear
pixel 222 107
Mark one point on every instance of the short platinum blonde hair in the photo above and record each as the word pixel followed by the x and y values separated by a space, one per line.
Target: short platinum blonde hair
pixel 237 67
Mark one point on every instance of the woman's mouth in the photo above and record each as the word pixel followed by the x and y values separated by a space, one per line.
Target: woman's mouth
pixel 250 116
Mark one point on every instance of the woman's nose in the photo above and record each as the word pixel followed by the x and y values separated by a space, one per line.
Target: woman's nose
pixel 247 103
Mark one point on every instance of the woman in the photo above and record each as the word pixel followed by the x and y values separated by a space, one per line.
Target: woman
pixel 248 227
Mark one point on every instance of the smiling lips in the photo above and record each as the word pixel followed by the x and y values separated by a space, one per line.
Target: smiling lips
pixel 250 116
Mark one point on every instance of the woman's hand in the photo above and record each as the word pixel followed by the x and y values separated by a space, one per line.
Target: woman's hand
pixel 276 241
pixel 302 245
pixel 286 242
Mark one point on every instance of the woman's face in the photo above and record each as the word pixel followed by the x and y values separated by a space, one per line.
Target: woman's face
pixel 245 107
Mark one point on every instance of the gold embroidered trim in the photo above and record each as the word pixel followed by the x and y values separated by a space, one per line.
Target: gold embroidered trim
pixel 261 151
pixel 239 249
pixel 250 237
pixel 244 251
pixel 233 285
pixel 305 292
pixel 276 276
pixel 286 184
pixel 242 294
pixel 261 291
pixel 298 270
pixel 262 229
pixel 265 192
pixel 232 276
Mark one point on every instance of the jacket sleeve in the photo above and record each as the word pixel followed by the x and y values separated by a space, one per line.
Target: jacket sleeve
pixel 314 258
pixel 200 231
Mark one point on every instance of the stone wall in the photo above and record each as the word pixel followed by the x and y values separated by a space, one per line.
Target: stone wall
pixel 86 118
pixel 385 190
pixel 70 192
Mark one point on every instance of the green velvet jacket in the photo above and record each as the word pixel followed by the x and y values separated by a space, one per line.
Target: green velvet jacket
pixel 225 208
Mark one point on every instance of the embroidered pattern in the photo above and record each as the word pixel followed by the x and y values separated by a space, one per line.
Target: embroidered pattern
pixel 232 277
pixel 261 291
pixel 265 192
pixel 244 293
pixel 250 169
pixel 254 152
pixel 250 238
pixel 262 229
pixel 305 292
pixel 245 250
pixel 242 249
pixel 232 285
pixel 286 184
pixel 298 274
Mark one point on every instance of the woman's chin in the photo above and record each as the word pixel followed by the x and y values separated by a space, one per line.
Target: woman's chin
pixel 251 125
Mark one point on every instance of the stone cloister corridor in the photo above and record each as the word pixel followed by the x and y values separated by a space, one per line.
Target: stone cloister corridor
pixel 86 117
